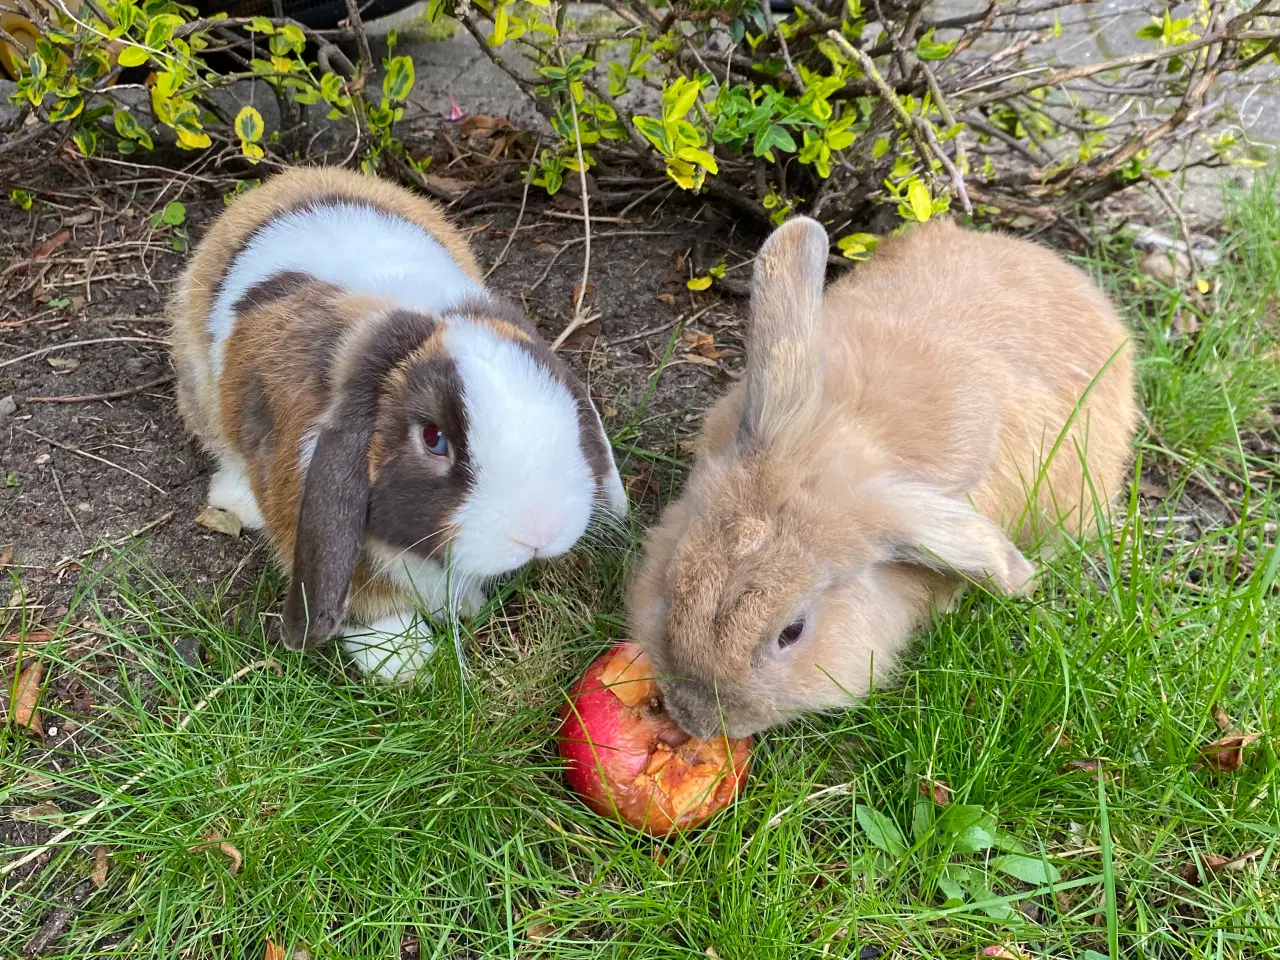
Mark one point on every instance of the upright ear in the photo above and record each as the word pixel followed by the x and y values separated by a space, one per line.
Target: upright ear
pixel 784 345
pixel 946 534
pixel 330 532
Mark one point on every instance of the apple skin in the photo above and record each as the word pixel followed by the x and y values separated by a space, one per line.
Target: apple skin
pixel 628 760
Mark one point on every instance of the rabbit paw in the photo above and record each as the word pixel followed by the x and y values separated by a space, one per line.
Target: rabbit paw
pixel 392 649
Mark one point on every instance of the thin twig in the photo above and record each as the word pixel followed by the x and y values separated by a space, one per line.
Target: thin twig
pixel 119 541
pixel 782 44
pixel 113 395
pixel 356 24
pixel 957 181
pixel 580 315
pixel 524 199
pixel 79 343
pixel 102 804
pixel 94 456
pixel 67 507
pixel 1176 210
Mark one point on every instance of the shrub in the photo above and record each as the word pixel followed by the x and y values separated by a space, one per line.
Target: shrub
pixel 835 109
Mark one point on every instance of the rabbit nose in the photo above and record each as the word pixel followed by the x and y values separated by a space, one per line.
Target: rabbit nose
pixel 690 715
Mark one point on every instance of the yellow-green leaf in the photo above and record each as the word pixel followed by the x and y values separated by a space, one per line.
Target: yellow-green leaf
pixel 193 139
pixel 398 83
pixel 132 57
pixel 698 283
pixel 1203 285
pixel 684 102
pixel 501 19
pixel 920 202
pixel 249 125
pixel 700 157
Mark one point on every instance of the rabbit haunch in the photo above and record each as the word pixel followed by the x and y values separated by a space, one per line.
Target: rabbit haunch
pixel 892 438
pixel 327 324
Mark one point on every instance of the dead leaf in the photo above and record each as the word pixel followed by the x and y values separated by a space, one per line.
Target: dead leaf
pixel 300 954
pixel 32 638
pixel 1227 755
pixel 1221 719
pixel 274 952
pixel 66 364
pixel 213 839
pixel 1167 267
pixel 77 302
pixel 542 930
pixel 698 359
pixel 24 711
pixel 939 790
pixel 641 482
pixel 100 864
pixel 79 219
pixel 711 953
pixel 1190 871
pixel 583 337
pixel 1185 323
pixel 450 185
pixel 1088 766
pixel 36 813
pixel 6 555
pixel 50 245
pixel 668 298
pixel 219 521
pixel 479 126
pixel 1149 488
pixel 580 293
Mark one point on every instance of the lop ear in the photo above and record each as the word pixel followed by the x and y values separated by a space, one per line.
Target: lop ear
pixel 946 534
pixel 784 345
pixel 330 534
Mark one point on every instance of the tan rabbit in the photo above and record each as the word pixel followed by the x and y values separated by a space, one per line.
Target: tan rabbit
pixel 887 445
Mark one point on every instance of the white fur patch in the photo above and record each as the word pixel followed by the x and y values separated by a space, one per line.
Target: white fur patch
pixel 307 450
pixel 229 490
pixel 392 649
pixel 349 244
pixel 433 590
pixel 533 490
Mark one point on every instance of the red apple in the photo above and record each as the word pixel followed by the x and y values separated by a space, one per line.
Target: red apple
pixel 628 759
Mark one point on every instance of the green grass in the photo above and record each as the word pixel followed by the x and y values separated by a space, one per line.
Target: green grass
pixel 366 814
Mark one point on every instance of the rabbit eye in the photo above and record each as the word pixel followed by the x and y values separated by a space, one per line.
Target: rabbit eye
pixel 790 635
pixel 434 440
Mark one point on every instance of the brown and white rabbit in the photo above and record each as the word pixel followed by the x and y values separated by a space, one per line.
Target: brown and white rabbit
pixel 401 432
pixel 887 445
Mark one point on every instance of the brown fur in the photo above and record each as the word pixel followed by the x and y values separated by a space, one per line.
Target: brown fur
pixel 883 450
pixel 292 190
pixel 352 377
pixel 271 393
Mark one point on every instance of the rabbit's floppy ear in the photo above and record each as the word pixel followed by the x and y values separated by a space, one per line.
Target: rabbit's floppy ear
pixel 947 534
pixel 330 532
pixel 784 346
pixel 335 497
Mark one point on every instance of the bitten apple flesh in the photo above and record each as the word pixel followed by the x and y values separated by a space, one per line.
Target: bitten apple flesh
pixel 628 759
